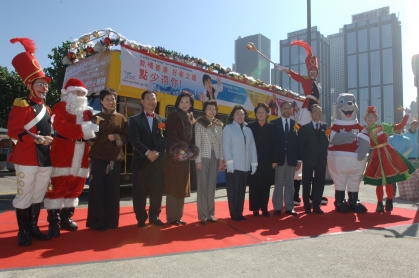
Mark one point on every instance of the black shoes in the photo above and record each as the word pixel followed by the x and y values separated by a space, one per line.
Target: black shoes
pixel 307 211
pixel 277 212
pixel 256 213
pixel 266 213
pixel 182 222
pixel 101 229
pixel 204 222
pixel 66 223
pixel 141 225
pixel 175 223
pixel 235 218
pixel 318 211
pixel 156 222
pixel 291 212
pixel 389 205
pixel 242 217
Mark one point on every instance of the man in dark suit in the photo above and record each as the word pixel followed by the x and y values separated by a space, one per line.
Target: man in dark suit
pixel 313 143
pixel 148 137
pixel 285 161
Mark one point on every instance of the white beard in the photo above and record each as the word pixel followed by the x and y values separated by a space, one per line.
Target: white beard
pixel 75 105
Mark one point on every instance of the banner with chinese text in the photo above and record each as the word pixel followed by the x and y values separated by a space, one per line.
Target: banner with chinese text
pixel 151 72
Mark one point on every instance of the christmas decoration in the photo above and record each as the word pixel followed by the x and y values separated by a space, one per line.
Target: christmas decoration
pixel 104 40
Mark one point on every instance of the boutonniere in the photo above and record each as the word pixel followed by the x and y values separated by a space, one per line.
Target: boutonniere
pixel 296 128
pixel 161 126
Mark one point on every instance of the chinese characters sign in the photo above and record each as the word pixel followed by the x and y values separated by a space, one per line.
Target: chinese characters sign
pixel 151 72
pixel 92 71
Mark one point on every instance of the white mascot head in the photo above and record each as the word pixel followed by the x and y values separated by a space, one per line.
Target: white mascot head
pixel 346 107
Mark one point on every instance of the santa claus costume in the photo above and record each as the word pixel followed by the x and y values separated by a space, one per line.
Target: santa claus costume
pixel 29 123
pixel 72 122
pixel 385 165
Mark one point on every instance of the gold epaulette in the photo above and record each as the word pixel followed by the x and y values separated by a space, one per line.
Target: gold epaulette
pixel 21 102
pixel 306 77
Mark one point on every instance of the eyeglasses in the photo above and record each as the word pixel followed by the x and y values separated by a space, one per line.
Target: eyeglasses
pixel 40 84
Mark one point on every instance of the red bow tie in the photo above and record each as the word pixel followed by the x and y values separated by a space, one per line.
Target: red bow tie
pixel 150 114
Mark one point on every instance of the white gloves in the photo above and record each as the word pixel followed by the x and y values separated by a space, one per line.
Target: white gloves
pixel 230 167
pixel 281 68
pixel 95 127
pixel 407 111
pixel 253 169
pixel 89 130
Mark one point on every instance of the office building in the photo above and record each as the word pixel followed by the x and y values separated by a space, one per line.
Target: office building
pixel 337 66
pixel 251 63
pixel 373 62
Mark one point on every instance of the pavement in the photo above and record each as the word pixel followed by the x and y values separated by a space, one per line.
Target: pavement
pixel 392 251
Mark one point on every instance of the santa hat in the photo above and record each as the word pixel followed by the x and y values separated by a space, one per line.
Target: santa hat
pixel 311 60
pixel 371 110
pixel 414 120
pixel 73 84
pixel 26 64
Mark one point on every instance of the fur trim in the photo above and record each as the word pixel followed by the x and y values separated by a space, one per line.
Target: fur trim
pixel 68 171
pixel 194 150
pixel 182 145
pixel 73 88
pixel 207 123
pixel 186 122
pixel 53 203
pixel 71 202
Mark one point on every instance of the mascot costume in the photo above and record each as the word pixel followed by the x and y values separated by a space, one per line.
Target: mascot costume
pixel 347 154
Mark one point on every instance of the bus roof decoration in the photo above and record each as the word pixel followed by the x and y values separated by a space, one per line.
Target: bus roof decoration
pixel 103 40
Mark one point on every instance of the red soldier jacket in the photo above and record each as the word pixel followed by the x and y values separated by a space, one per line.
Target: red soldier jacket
pixel 27 152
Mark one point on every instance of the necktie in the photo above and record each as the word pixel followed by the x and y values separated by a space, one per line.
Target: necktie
pixel 153 115
pixel 317 126
pixel 286 127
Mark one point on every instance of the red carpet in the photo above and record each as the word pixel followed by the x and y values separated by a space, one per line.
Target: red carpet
pixel 129 241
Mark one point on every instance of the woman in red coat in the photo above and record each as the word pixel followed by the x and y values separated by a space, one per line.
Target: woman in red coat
pixel 385 165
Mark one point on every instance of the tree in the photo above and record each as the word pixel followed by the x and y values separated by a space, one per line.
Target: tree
pixel 11 87
pixel 56 72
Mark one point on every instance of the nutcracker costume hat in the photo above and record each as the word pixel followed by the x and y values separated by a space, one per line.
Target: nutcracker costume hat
pixel 26 64
pixel 371 110
pixel 311 60
pixel 72 85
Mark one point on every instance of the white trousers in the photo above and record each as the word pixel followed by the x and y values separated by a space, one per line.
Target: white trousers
pixel 32 183
pixel 346 172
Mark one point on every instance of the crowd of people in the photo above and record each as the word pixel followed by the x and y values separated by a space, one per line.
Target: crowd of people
pixel 258 154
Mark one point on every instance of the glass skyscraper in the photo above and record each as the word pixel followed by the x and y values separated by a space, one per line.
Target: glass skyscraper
pixel 251 63
pixel 373 59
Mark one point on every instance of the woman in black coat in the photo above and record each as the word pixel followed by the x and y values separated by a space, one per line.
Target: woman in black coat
pixel 260 183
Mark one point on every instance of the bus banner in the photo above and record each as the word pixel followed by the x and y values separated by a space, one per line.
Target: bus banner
pixel 151 72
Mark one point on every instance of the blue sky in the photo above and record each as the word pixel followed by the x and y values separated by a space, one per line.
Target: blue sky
pixel 202 29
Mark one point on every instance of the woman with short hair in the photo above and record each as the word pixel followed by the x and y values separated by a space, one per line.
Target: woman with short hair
pixel 239 151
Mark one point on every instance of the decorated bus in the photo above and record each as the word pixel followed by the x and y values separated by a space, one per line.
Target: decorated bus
pixel 107 59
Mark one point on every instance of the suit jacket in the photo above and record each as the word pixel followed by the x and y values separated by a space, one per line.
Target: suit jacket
pixel 143 139
pixel 285 145
pixel 313 146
